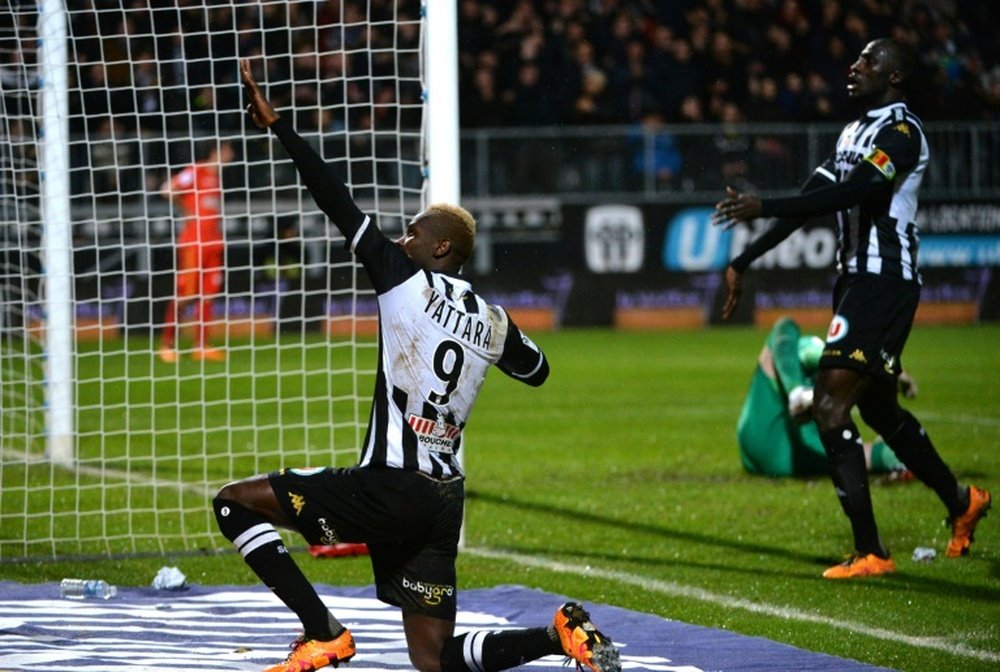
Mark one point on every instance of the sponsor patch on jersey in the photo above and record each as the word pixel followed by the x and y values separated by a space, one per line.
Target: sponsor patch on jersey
pixel 437 435
pixel 837 330
pixel 882 163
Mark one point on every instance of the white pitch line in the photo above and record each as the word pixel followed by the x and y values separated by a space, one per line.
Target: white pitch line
pixel 679 590
pixel 130 477
pixel 974 420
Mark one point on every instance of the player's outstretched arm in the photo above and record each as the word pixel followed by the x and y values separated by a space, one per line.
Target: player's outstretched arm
pixel 735 208
pixel 326 188
pixel 863 181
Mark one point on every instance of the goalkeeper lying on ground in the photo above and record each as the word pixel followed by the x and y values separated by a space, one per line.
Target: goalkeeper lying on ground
pixel 775 431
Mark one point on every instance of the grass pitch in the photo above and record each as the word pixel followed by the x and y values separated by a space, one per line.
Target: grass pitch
pixel 618 481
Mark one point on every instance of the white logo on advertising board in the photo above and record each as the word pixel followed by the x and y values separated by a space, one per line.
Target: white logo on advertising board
pixel 614 239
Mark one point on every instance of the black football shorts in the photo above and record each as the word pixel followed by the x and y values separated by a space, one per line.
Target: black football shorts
pixel 410 522
pixel 872 319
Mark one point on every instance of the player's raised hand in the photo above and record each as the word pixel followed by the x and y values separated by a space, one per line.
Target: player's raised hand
pixel 736 208
pixel 259 108
pixel 734 287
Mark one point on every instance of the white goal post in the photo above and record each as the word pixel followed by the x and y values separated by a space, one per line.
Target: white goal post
pixel 114 436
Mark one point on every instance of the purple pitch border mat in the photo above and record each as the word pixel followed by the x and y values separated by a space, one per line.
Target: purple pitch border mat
pixel 230 628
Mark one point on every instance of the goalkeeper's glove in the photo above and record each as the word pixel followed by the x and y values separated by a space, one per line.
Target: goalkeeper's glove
pixel 800 401
pixel 907 385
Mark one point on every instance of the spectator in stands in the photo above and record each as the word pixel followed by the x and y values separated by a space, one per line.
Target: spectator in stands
pixel 593 104
pixel 480 101
pixel 678 78
pixel 687 46
pixel 655 153
pixel 763 103
pixel 630 87
pixel 733 145
pixel 530 100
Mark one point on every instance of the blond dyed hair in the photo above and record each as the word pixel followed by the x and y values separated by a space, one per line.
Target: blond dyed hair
pixel 460 222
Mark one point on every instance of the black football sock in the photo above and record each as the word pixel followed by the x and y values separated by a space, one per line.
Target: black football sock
pixel 850 479
pixel 484 651
pixel 912 445
pixel 264 551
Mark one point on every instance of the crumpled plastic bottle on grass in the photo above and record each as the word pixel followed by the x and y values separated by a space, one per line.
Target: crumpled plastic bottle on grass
pixel 169 578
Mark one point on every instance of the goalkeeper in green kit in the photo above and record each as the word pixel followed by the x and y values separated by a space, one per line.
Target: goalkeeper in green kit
pixel 775 433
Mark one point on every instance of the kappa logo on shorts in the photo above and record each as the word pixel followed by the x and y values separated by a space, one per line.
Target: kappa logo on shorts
pixel 298 502
pixel 431 593
pixel 858 356
pixel 838 329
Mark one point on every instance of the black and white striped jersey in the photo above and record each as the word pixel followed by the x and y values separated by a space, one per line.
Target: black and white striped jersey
pixel 437 338
pixel 880 234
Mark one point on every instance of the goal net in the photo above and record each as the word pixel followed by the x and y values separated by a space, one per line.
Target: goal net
pixel 134 379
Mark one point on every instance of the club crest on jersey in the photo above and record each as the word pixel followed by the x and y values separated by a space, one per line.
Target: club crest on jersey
pixel 838 329
pixel 889 361
pixel 882 163
pixel 437 435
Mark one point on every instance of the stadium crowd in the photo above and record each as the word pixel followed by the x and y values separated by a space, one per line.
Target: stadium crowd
pixel 537 62
pixel 145 79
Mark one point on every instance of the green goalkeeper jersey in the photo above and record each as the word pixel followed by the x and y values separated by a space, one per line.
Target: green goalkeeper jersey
pixel 771 442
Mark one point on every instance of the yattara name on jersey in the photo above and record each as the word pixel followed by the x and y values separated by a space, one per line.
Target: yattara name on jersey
pixel 467 326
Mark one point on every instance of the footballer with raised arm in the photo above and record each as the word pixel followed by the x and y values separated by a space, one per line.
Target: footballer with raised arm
pixel 404 499
pixel 871 182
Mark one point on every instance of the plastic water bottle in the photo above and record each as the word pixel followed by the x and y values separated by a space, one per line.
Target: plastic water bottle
pixel 84 589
